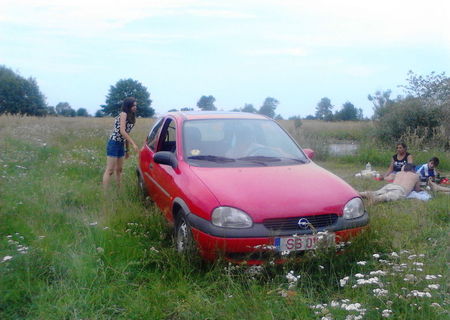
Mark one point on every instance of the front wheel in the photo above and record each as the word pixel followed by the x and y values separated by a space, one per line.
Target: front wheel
pixel 184 241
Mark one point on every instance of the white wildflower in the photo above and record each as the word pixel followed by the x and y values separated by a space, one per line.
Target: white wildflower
pixel 394 254
pixel 410 278
pixel 412 257
pixel 380 292
pixel 435 305
pixel 386 313
pixel 377 273
pixel 416 293
pixel 93 223
pixel 359 275
pixel 376 255
pixel 419 264
pixel 361 263
pixel 334 304
pixel 343 281
pixel 6 258
pixel 434 286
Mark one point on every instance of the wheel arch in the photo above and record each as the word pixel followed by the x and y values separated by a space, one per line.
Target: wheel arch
pixel 178 206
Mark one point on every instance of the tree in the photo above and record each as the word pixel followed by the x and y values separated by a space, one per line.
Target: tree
pixel 348 112
pixel 249 108
pixel 206 103
pixel 82 112
pixel 51 111
pixel 323 110
pixel 268 107
pixel 297 121
pixel 173 110
pixel 19 95
pixel 125 88
pixel 310 117
pixel 408 114
pixel 99 114
pixel 279 117
pixel 432 89
pixel 187 109
pixel 64 109
pixel 380 101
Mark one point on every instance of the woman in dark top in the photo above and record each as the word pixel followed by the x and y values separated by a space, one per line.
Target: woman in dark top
pixel 119 140
pixel 399 159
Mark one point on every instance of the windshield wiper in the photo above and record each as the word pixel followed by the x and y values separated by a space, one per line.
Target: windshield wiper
pixel 265 159
pixel 260 158
pixel 211 158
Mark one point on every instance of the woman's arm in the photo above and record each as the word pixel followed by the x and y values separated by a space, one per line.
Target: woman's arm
pixel 390 169
pixel 409 159
pixel 123 121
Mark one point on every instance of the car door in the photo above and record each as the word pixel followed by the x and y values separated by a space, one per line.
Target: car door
pixel 163 176
pixel 146 158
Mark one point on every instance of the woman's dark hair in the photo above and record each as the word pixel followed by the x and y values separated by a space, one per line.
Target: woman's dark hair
pixel 402 144
pixel 127 104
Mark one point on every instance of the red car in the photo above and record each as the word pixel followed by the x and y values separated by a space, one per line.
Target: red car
pixel 237 185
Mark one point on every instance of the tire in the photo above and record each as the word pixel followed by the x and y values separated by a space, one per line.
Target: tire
pixel 184 241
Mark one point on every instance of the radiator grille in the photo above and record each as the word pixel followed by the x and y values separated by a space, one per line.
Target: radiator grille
pixel 319 221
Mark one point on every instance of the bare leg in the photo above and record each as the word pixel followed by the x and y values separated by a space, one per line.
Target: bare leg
pixel 110 166
pixel 437 188
pixel 118 170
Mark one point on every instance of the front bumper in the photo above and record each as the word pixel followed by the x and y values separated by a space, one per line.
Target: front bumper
pixel 213 241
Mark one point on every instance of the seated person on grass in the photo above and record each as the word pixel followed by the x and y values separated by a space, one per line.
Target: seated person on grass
pixel 427 173
pixel 398 160
pixel 405 181
pixel 427 170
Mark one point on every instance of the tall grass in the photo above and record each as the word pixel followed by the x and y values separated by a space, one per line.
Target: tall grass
pixel 70 251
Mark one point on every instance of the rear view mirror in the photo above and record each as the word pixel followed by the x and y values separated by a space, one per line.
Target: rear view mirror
pixel 310 153
pixel 166 157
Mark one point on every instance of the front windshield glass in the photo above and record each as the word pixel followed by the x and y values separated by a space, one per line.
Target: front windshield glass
pixel 238 142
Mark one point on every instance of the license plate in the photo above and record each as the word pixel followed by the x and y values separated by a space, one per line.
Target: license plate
pixel 305 242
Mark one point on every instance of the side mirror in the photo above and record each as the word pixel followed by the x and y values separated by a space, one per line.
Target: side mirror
pixel 310 153
pixel 166 157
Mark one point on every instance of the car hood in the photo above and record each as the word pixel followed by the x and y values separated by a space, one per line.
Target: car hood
pixel 278 191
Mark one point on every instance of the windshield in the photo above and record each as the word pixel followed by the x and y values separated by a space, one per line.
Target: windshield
pixel 238 142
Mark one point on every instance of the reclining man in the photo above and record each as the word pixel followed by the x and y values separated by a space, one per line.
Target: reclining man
pixel 404 182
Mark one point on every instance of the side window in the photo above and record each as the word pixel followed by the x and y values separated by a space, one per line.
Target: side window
pixel 152 139
pixel 168 136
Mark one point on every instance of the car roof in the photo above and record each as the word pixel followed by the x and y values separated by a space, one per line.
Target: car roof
pixel 195 115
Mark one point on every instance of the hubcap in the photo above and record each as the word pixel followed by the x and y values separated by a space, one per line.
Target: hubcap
pixel 182 237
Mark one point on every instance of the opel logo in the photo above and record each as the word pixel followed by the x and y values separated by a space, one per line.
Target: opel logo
pixel 303 223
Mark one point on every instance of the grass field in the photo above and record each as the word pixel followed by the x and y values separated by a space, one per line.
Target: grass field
pixel 68 251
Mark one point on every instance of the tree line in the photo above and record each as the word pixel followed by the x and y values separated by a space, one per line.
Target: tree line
pixel 423 108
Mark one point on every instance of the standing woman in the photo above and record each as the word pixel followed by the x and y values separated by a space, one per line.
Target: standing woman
pixel 399 159
pixel 118 143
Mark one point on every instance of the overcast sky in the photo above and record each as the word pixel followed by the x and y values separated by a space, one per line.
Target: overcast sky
pixel 239 51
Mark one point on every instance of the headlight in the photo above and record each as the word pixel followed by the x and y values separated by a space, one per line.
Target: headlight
pixel 228 217
pixel 354 209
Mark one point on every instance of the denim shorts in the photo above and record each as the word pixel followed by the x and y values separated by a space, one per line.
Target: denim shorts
pixel 115 149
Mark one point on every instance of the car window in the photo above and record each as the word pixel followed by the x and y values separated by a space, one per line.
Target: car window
pixel 236 142
pixel 168 136
pixel 152 138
